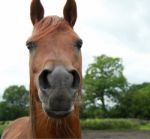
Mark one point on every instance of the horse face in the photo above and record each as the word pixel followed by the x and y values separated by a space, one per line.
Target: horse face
pixel 55 59
pixel 55 65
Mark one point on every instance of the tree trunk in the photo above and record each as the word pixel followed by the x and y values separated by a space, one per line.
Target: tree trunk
pixel 103 105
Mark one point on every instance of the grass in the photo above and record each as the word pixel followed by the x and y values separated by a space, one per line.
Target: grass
pixel 3 125
pixel 145 126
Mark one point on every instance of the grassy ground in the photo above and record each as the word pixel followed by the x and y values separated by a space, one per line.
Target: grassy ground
pixel 145 126
pixel 3 125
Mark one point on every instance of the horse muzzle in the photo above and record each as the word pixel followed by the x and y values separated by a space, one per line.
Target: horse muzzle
pixel 57 90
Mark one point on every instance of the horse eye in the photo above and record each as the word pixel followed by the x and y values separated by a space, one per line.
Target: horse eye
pixel 30 45
pixel 78 44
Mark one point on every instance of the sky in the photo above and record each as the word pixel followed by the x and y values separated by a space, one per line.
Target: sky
pixel 117 28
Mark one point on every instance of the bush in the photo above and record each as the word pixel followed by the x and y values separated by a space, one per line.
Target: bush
pixel 109 124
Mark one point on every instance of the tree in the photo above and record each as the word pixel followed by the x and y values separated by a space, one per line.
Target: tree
pixel 103 80
pixel 135 103
pixel 15 103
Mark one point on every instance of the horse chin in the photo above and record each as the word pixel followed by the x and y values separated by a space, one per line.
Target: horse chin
pixel 56 106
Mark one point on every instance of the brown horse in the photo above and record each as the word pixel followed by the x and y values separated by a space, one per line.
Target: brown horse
pixel 55 77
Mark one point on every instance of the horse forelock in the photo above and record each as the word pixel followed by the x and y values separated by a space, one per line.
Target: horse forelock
pixel 47 25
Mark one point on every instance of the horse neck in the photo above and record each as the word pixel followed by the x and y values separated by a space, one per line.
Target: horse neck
pixel 45 127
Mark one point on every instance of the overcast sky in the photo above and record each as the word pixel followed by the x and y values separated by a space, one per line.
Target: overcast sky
pixel 118 28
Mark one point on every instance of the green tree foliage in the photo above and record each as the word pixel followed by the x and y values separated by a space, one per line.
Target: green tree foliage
pixel 103 80
pixel 135 103
pixel 14 104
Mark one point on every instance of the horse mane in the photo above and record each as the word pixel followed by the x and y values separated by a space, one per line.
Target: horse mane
pixel 48 25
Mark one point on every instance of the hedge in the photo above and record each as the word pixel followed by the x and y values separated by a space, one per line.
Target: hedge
pixel 109 124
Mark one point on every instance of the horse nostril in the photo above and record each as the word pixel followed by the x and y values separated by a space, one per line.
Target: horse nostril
pixel 43 79
pixel 76 79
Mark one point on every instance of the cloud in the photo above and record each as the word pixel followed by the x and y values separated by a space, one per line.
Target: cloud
pixel 121 31
pixel 126 20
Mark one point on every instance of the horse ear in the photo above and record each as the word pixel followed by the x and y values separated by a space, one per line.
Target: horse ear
pixel 70 12
pixel 36 11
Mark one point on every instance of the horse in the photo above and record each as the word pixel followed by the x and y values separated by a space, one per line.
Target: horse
pixel 55 64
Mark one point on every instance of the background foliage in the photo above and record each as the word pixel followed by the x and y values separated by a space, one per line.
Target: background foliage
pixel 14 103
pixel 107 93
